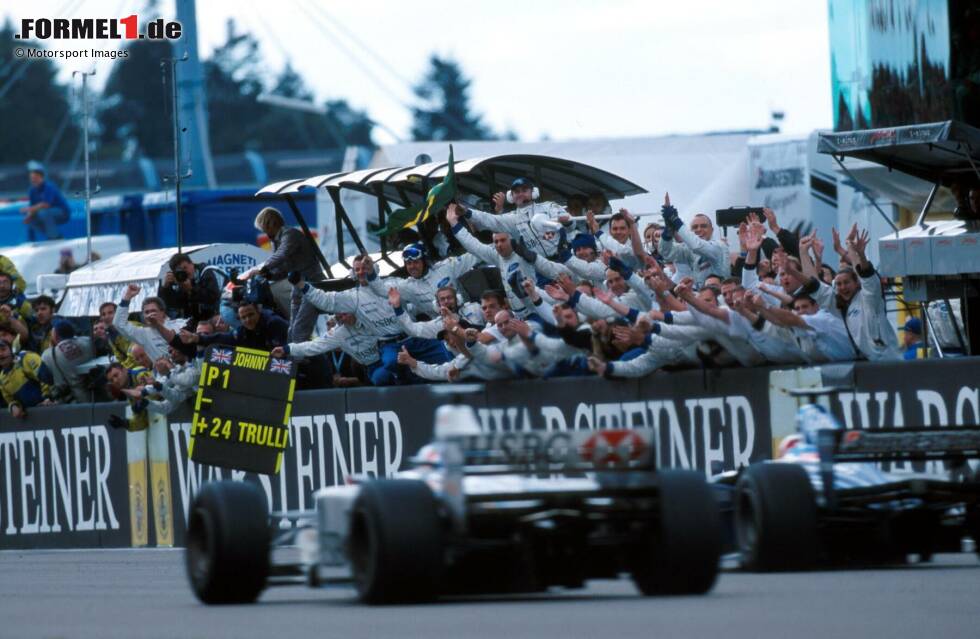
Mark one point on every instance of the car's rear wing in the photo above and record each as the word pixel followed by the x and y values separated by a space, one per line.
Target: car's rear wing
pixel 556 452
pixel 954 444
pixel 899 444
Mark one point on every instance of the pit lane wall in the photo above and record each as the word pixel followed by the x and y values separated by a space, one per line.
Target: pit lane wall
pixel 66 481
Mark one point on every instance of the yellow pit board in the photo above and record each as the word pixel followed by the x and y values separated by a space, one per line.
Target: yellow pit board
pixel 241 414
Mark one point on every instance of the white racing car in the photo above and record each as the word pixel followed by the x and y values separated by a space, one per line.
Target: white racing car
pixel 476 513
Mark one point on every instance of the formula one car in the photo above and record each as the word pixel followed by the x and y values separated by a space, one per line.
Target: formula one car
pixel 476 513
pixel 826 500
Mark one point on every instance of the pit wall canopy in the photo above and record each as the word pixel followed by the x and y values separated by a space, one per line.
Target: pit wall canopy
pixel 479 177
pixel 106 280
pixel 936 152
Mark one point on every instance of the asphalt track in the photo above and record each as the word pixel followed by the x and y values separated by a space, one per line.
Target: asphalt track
pixel 143 593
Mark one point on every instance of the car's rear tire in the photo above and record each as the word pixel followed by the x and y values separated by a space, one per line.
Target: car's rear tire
pixel 681 557
pixel 776 518
pixel 228 538
pixel 973 524
pixel 396 542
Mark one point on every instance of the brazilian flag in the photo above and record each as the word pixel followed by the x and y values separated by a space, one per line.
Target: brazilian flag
pixel 438 196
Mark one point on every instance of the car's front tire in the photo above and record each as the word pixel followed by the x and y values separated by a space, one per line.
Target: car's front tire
pixel 228 539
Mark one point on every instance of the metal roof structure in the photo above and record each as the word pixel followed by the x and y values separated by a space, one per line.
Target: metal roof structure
pixel 558 178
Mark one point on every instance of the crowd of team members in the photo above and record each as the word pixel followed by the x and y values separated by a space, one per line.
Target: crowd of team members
pixel 574 295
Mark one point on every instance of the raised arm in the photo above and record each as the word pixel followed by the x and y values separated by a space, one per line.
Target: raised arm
pixel 330 301
pixel 635 239
pixel 870 283
pixel 470 243
pixel 606 299
pixel 809 268
pixel 318 346
pixel 687 294
pixel 783 317
pixel 425 330
pixel 498 223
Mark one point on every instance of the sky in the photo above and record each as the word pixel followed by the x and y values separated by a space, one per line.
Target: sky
pixel 571 69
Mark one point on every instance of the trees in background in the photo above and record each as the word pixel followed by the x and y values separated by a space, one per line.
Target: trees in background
pixel 34 108
pixel 445 112
pixel 132 116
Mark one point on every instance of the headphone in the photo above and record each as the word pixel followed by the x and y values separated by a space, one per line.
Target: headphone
pixel 535 194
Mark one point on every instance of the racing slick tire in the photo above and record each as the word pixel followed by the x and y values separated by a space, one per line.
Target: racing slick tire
pixel 776 518
pixel 228 540
pixel 396 542
pixel 681 557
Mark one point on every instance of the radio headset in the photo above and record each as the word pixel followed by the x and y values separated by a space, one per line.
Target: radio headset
pixel 535 194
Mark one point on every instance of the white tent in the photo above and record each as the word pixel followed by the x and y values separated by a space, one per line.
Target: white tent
pixel 701 172
pixel 105 280
pixel 34 259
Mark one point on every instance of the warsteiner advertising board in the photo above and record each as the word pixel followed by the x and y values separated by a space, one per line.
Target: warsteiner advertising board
pixel 242 409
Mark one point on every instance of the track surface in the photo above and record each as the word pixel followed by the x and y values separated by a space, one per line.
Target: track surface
pixel 130 593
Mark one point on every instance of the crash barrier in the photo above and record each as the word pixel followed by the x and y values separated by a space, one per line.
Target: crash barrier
pixel 68 481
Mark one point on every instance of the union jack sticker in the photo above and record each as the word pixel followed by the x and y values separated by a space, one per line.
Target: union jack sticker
pixel 221 356
pixel 283 366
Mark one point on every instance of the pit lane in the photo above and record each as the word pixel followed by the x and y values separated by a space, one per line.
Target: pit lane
pixel 143 593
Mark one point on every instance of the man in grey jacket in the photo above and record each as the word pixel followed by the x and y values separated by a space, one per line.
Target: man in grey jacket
pixel 292 251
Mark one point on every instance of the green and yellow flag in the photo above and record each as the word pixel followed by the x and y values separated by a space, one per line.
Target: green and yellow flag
pixel 438 196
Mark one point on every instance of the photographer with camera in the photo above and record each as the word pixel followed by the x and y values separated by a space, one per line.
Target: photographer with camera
pixel 190 290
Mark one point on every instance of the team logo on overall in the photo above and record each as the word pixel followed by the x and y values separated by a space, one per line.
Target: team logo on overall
pixel 221 356
pixel 283 366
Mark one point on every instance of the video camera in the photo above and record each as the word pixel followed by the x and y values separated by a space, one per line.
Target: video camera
pixel 735 215
pixel 252 291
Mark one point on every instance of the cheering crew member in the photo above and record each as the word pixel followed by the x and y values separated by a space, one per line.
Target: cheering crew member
pixel 351 337
pixel 622 240
pixel 424 279
pixel 705 255
pixel 822 336
pixel 862 303
pixel 24 380
pixel 377 316
pixel 513 268
pixel 518 223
